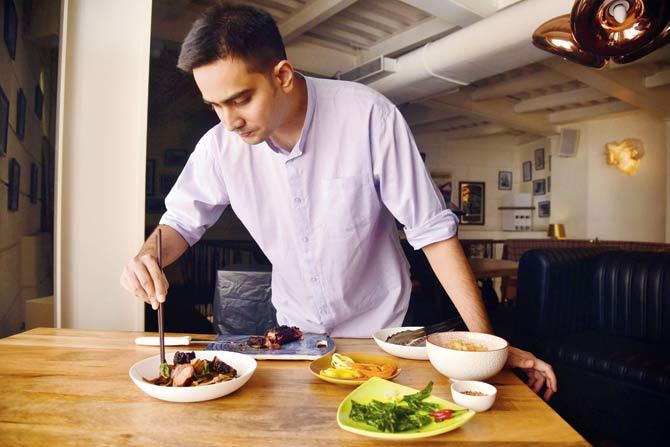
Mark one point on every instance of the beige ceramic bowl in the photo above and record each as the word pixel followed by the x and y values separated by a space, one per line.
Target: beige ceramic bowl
pixel 467 365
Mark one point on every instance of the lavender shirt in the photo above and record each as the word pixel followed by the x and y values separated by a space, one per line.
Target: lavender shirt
pixel 323 212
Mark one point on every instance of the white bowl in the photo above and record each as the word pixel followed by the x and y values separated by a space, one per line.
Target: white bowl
pixel 467 365
pixel 474 403
pixel 406 352
pixel 148 368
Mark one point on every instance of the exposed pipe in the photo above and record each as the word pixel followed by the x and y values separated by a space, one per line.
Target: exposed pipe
pixel 493 45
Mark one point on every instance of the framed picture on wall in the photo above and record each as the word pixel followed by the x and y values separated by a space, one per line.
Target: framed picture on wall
pixel 472 200
pixel 150 187
pixel 539 159
pixel 527 168
pixel 539 187
pixel 549 184
pixel 11 26
pixel 14 185
pixel 443 182
pixel 505 180
pixel 20 114
pixel 4 122
pixel 39 101
pixel 34 178
pixel 544 208
pixel 175 157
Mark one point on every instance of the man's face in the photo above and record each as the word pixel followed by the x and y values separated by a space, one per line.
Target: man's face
pixel 246 103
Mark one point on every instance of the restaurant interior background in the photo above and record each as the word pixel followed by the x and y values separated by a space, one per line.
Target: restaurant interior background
pixel 511 126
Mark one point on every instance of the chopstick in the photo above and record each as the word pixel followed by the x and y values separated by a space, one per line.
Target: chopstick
pixel 161 330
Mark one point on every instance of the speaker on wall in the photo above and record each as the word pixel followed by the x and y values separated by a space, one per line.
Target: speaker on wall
pixel 567 142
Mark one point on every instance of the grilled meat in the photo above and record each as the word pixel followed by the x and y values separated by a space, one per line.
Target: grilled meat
pixel 256 341
pixel 183 374
pixel 283 334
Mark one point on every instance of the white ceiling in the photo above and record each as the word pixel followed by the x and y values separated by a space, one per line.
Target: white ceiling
pixel 324 37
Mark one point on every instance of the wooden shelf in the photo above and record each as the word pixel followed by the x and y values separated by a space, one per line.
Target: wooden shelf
pixel 516 207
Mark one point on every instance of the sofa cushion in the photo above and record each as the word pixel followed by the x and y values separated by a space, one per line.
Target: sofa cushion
pixel 633 361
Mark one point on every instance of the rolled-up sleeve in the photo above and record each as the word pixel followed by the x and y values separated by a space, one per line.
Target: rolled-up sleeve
pixel 405 185
pixel 199 195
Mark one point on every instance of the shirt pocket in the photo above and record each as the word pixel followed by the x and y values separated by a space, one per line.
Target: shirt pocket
pixel 349 206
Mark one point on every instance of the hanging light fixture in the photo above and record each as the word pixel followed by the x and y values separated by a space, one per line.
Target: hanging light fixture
pixel 596 30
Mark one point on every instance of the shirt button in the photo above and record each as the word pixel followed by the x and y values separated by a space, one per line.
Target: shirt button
pixel 305 239
pixel 297 200
pixel 314 279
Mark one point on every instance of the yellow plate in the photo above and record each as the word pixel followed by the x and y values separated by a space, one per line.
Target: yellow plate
pixel 377 389
pixel 324 363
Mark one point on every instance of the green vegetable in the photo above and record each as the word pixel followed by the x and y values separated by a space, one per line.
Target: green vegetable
pixel 409 413
pixel 165 370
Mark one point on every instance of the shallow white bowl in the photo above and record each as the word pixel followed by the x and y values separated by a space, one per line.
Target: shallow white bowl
pixel 467 365
pixel 474 403
pixel 148 368
pixel 406 352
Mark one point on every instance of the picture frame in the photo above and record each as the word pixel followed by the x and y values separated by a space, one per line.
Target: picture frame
pixel 34 179
pixel 166 183
pixel 11 27
pixel 39 101
pixel 20 114
pixel 539 159
pixel 443 182
pixel 544 208
pixel 14 185
pixel 527 168
pixel 539 187
pixel 4 122
pixel 548 183
pixel 150 186
pixel 175 157
pixel 472 200
pixel 505 180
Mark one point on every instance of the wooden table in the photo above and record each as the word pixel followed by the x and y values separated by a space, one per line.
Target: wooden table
pixel 61 387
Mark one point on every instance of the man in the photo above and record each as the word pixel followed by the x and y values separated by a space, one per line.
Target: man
pixel 316 170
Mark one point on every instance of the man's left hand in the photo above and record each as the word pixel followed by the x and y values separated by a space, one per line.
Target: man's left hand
pixel 538 372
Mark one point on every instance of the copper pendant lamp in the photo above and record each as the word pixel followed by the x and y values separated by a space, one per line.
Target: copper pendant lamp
pixel 624 30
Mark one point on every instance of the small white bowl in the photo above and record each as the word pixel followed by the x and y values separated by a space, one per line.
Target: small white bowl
pixel 406 352
pixel 467 365
pixel 474 403
pixel 148 368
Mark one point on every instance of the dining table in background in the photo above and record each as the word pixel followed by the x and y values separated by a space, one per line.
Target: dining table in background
pixel 66 387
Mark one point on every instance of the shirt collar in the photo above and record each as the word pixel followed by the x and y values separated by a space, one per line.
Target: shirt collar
pixel 299 147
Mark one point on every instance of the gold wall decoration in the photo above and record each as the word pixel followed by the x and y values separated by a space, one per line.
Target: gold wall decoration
pixel 625 155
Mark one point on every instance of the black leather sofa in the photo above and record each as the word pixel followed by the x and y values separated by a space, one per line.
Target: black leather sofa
pixel 602 319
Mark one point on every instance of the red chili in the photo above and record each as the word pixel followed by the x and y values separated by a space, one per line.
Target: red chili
pixel 442 415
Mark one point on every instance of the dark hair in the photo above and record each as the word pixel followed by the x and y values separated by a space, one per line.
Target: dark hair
pixel 231 30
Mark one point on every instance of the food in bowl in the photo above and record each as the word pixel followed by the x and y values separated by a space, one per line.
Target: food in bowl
pixel 187 370
pixel 343 367
pixel 465 346
pixel 413 352
pixel 467 365
pixel 474 393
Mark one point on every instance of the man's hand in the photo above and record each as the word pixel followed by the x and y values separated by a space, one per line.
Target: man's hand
pixel 538 372
pixel 143 278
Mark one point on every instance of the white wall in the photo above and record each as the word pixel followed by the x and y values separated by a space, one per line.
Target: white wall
pixel 477 160
pixel 596 200
pixel 101 145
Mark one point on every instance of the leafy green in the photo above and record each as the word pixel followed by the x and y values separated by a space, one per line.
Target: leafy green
pixel 165 370
pixel 409 413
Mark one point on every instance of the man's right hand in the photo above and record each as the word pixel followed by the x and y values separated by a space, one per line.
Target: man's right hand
pixel 143 278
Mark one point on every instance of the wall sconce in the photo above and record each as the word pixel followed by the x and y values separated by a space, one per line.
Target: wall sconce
pixel 625 155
